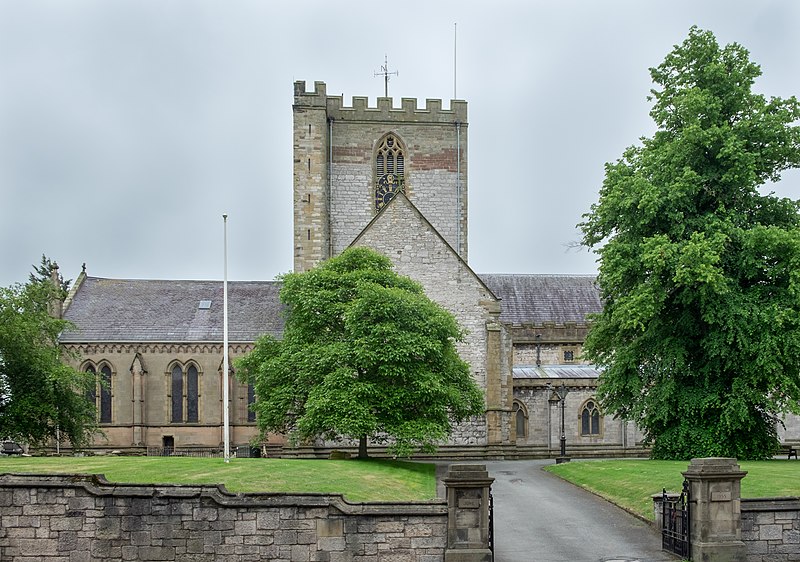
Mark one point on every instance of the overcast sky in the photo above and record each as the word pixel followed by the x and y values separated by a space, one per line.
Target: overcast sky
pixel 127 128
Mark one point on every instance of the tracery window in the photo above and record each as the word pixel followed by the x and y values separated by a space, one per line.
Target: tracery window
pixel 520 419
pixel 590 418
pixel 100 394
pixel 184 393
pixel 389 170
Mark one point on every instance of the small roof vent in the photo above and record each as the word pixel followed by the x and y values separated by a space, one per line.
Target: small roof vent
pixel 204 305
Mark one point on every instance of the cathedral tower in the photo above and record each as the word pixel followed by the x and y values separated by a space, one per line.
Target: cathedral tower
pixel 350 161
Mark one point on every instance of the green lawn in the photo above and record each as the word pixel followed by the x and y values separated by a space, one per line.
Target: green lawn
pixel 372 480
pixel 631 483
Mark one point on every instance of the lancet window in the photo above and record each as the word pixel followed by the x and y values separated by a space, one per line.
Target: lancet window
pixel 184 393
pixel 520 419
pixel 100 393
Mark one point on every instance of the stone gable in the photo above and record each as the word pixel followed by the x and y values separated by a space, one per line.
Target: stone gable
pixel 417 250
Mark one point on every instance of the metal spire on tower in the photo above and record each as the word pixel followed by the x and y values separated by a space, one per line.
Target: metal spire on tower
pixel 385 73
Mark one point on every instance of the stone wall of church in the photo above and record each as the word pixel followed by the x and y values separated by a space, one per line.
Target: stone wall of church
pixel 418 252
pixel 334 168
pixel 310 177
pixel 542 432
pixel 547 353
pixel 432 182
pixel 141 394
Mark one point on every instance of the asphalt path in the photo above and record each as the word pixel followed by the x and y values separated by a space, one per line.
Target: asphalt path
pixel 541 518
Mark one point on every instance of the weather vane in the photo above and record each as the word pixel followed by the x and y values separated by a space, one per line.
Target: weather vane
pixel 385 73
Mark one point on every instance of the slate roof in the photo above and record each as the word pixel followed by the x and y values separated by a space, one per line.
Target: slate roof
pixel 533 299
pixel 557 372
pixel 146 310
pixel 128 310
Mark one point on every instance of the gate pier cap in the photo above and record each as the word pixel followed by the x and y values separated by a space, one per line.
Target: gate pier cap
pixel 715 510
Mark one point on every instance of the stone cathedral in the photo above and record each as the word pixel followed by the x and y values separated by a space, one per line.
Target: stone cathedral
pixel 394 179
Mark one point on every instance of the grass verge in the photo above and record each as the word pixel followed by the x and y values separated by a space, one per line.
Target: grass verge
pixel 371 480
pixel 631 483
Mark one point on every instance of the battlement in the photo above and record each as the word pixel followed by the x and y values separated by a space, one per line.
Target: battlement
pixel 385 112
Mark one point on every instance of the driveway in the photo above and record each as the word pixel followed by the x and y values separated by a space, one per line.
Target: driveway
pixel 540 518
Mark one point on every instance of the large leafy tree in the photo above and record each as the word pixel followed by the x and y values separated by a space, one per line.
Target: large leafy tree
pixel 364 355
pixel 699 337
pixel 41 396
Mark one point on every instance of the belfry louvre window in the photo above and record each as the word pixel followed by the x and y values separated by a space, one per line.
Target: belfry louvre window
pixel 590 418
pixel 390 158
pixel 390 168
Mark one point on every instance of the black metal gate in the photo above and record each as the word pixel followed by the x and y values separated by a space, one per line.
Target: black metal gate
pixel 675 522
pixel 491 523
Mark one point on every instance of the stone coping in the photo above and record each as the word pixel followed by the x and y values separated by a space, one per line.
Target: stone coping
pixel 788 503
pixel 98 485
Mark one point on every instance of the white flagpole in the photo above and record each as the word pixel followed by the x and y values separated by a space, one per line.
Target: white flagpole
pixel 225 414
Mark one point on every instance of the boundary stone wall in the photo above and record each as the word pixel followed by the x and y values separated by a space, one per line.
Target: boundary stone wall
pixel 728 528
pixel 78 518
pixel 771 529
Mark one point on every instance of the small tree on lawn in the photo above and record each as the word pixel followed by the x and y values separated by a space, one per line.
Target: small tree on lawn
pixel 364 355
pixel 699 338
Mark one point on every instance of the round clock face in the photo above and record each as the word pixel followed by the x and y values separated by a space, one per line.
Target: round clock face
pixel 386 187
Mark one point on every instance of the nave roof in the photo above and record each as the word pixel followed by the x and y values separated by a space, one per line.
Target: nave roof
pixel 539 298
pixel 147 310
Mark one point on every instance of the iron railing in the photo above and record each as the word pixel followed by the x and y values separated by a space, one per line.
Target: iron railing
pixel 243 451
pixel 491 524
pixel 675 522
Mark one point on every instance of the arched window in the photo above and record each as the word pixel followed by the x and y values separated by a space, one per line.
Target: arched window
pixel 177 394
pixel 100 393
pixel 390 169
pixel 590 418
pixel 192 394
pixel 184 393
pixel 91 393
pixel 105 394
pixel 520 419
pixel 251 400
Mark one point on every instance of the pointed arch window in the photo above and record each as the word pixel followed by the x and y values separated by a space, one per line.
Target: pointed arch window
pixel 100 393
pixel 390 169
pixel 192 394
pixel 590 418
pixel 251 400
pixel 520 419
pixel 184 393
pixel 105 394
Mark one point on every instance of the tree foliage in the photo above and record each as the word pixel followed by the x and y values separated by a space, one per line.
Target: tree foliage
pixel 699 338
pixel 364 354
pixel 43 273
pixel 40 395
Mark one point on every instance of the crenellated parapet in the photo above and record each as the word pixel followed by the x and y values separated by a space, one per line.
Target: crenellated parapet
pixel 408 112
